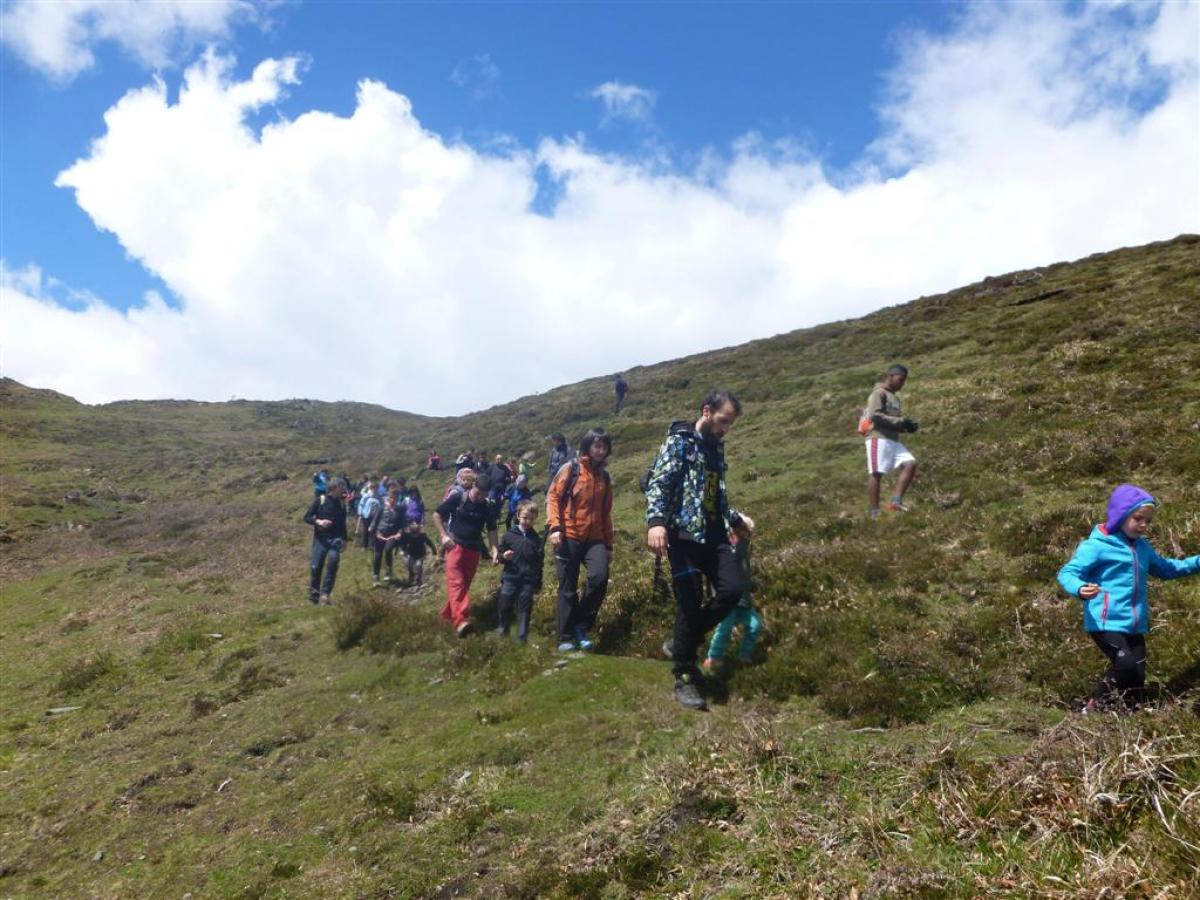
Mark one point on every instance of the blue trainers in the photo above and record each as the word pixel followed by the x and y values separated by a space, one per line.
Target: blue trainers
pixel 581 639
pixel 566 646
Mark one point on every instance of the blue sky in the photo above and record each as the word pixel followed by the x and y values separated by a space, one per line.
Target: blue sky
pixel 629 157
pixel 810 73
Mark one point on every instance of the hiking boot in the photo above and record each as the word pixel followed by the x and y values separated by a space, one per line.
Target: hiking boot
pixel 325 601
pixel 687 694
pixel 313 597
pixel 566 647
pixel 464 629
pixel 374 581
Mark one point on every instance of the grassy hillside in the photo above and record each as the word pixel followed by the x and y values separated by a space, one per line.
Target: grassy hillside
pixel 176 718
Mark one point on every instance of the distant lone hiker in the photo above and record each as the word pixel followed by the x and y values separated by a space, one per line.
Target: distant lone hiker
pixel 882 424
pixel 689 519
pixel 620 388
pixel 327 516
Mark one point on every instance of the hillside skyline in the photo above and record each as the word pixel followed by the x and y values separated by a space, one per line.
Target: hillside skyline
pixel 203 199
pixel 602 377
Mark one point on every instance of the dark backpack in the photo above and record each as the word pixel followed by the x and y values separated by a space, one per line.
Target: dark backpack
pixel 680 426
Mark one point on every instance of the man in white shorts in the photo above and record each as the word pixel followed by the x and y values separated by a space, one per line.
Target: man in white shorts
pixel 882 424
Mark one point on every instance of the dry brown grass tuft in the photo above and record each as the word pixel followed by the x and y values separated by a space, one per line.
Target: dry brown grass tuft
pixel 1118 794
pixel 1094 808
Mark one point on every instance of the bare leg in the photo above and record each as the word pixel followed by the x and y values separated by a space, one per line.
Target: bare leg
pixel 908 472
pixel 873 490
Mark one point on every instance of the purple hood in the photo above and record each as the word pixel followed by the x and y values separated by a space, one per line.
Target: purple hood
pixel 1124 500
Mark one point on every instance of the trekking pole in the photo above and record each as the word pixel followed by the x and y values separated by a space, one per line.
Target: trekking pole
pixel 661 587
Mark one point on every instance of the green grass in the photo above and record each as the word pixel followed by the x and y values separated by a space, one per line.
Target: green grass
pixel 906 732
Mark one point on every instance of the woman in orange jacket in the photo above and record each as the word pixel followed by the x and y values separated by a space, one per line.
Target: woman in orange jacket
pixel 579 513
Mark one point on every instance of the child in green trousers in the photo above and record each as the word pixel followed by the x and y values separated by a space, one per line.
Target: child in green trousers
pixel 743 614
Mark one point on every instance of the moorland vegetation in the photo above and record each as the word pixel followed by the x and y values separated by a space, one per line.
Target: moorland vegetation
pixel 176 718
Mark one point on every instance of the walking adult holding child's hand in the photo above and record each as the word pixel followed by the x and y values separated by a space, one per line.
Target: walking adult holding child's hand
pixel 689 519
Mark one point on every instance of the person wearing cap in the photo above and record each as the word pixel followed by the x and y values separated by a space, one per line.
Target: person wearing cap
pixel 1108 572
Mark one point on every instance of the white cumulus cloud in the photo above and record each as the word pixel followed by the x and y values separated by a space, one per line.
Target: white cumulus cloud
pixel 325 238
pixel 625 101
pixel 58 36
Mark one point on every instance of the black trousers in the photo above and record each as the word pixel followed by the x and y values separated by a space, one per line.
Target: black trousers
pixel 516 592
pixel 696 612
pixel 1126 675
pixel 323 566
pixel 573 611
pixel 416 569
pixel 384 550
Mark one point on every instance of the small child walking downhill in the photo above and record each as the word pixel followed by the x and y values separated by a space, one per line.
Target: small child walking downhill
pixel 414 542
pixel 743 614
pixel 1108 573
pixel 523 554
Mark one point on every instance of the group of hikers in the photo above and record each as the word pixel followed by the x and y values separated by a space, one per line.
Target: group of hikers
pixel 692 526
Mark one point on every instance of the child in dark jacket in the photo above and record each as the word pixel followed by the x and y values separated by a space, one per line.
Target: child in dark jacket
pixel 1108 573
pixel 414 542
pixel 387 525
pixel 522 552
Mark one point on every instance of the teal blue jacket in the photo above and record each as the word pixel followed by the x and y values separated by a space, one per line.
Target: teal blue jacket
pixel 1120 568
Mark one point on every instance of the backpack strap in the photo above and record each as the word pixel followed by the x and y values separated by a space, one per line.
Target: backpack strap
pixel 567 496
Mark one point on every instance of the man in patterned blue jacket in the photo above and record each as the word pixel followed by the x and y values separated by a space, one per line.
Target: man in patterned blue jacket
pixel 689 519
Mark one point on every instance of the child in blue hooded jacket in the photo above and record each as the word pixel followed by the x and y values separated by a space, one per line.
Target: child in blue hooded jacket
pixel 1108 573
